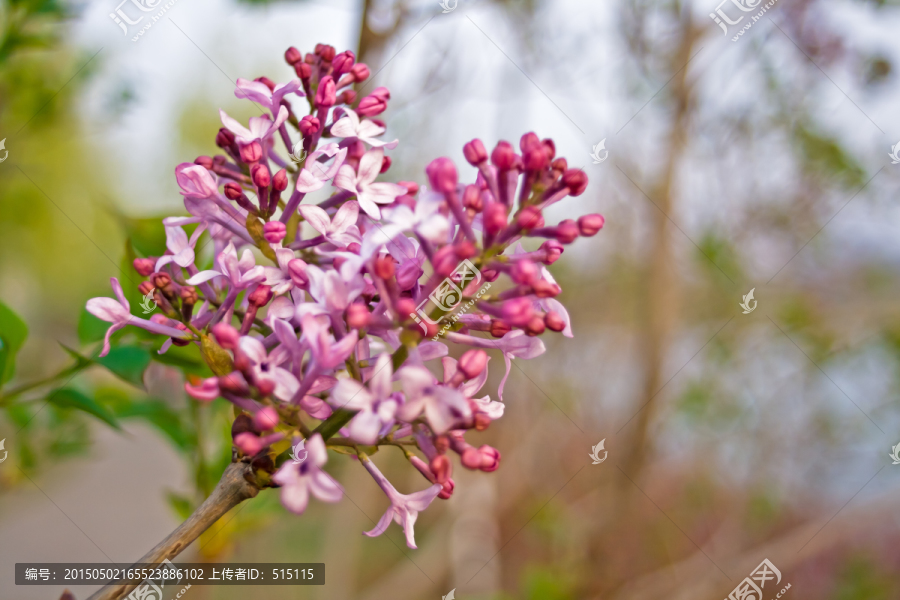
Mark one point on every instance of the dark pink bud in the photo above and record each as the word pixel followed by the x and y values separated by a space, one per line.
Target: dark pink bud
pixel 267 82
pixel 265 419
pixel 326 95
pixel 517 311
pixel 405 308
pixel 447 490
pixel 371 106
pixel 545 289
pixel 464 249
pixel 274 231
pixel 490 275
pixel 560 166
pixel 347 97
pixel 265 386
pixel 589 225
pixel 442 175
pixel 445 261
pixel 234 383
pixel 343 62
pixel 472 198
pixel 233 190
pixel 384 267
pixel 441 467
pixel 358 316
pixel 204 161
pixel 260 175
pixel 260 296
pixel 292 56
pixel 535 326
pixel 503 157
pixel 226 335
pixel 553 249
pixel 528 140
pixel 494 218
pixel 251 153
pixel 326 52
pixel 412 188
pixel 224 139
pixel 475 152
pixel 144 266
pixel 490 458
pixel 248 443
pixel 525 272
pixel 356 149
pixel 499 328
pixel 382 92
pixel 550 148
pixel 471 458
pixel 385 163
pixel 297 271
pixel 529 218
pixel 360 72
pixel 309 125
pixel 280 181
pixel 576 180
pixel 303 70
pixel 567 231
pixel 472 363
pixel 354 248
pixel 554 321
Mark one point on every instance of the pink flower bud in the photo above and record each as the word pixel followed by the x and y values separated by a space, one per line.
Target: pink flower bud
pixel 553 250
pixel 204 161
pixel 144 266
pixel 567 231
pixel 471 458
pixel 292 56
pixel 356 149
pixel 274 231
pixel 503 157
pixel 358 316
pixel 326 95
pixel 234 383
pixel 206 390
pixel 248 443
pixel 385 163
pixel 441 468
pixel 280 181
pixel 347 97
pixel 297 271
pixel 382 92
pixel 517 311
pixel 412 188
pixel 326 52
pixel 360 72
pixel 494 218
pixel 233 190
pixel 525 272
pixel 528 140
pixel 499 328
pixel 545 289
pixel 529 218
pixel 266 82
pixel 251 153
pixel 559 166
pixel 554 322
pixel 576 180
pixel 475 152
pixel 535 326
pixel 260 296
pixel 309 125
pixel 447 490
pixel 442 175
pixel 464 249
pixel 490 458
pixel 405 308
pixel 260 175
pixel 444 261
pixel 265 386
pixel 303 70
pixel 472 363
pixel 343 62
pixel 226 335
pixel 224 139
pixel 589 225
pixel 549 148
pixel 384 267
pixel 354 248
pixel 265 419
pixel 472 198
pixel 371 106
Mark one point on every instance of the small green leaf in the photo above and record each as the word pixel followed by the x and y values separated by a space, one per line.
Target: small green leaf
pixel 216 357
pixel 70 398
pixel 128 363
pixel 13 333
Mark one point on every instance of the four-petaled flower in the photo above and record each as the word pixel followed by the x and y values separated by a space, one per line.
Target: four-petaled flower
pixel 362 183
pixel 404 509
pixel 350 126
pixel 340 231
pixel 298 481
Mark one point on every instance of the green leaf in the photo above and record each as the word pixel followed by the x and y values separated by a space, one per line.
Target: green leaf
pixel 147 235
pixel 13 333
pixel 69 398
pixel 90 328
pixel 128 363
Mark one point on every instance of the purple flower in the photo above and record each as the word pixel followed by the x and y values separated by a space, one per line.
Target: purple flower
pixel 119 314
pixel 279 278
pixel 404 509
pixel 375 405
pixel 327 353
pixel 264 366
pixel 441 405
pixel 242 273
pixel 340 231
pixel 332 289
pixel 351 127
pixel 515 344
pixel 258 92
pixel 362 183
pixel 260 127
pixel 196 181
pixel 182 249
pixel 314 175
pixel 298 481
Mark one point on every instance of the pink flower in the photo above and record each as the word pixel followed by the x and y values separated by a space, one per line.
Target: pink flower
pixel 279 278
pixel 404 509
pixel 242 273
pixel 332 289
pixel 207 390
pixel 374 403
pixel 362 183
pixel 196 181
pixel 351 127
pixel 442 405
pixel 298 481
pixel 342 230
pixel 258 92
pixel 426 220
pixel 314 175
pixel 515 344
pixel 182 249
pixel 119 314
pixel 265 367
pixel 260 127
pixel 327 353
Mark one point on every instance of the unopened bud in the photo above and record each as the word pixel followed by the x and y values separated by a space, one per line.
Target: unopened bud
pixel 554 321
pixel 224 138
pixel 442 175
pixel 472 363
pixel 251 153
pixel 226 335
pixel 384 267
pixel 385 164
pixel 260 296
pixel 371 106
pixel 280 181
pixel 189 295
pixel 567 231
pixel 517 311
pixel 503 157
pixel 297 271
pixel 441 467
pixel 494 217
pixel 248 443
pixel 525 272
pixel 260 175
pixel 326 95
pixel 535 326
pixel 343 62
pixel 292 56
pixel 472 198
pixel 309 125
pixel 499 328
pixel 274 231
pixel 265 419
pixel 553 250
pixel 576 180
pixel 204 161
pixel 471 458
pixel 303 70
pixel 529 218
pixel 144 266
pixel 360 72
pixel 234 383
pixel 358 316
pixel 490 458
pixel 589 225
pixel 146 287
pixel 475 152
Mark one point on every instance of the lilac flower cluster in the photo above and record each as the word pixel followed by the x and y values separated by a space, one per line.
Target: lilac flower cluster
pixel 322 342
